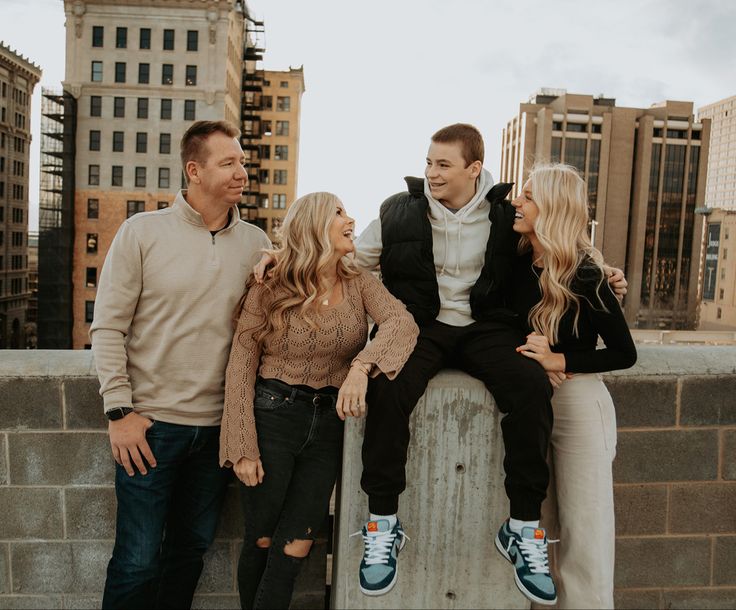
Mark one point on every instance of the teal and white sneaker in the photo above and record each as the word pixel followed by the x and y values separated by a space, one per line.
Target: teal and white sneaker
pixel 379 567
pixel 528 554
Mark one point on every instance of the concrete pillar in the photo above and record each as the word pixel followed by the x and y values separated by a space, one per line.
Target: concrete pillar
pixel 452 508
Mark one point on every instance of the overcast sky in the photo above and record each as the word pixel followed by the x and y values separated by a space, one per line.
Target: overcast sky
pixel 382 76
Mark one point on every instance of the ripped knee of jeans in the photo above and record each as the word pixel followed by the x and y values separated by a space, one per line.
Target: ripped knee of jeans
pixel 263 543
pixel 298 548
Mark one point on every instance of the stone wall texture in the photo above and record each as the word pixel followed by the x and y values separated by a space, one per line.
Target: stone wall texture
pixel 675 486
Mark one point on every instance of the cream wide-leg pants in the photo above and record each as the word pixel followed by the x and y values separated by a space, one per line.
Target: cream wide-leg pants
pixel 579 505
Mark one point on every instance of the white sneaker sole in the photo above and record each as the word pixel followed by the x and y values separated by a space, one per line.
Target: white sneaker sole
pixel 389 586
pixel 524 591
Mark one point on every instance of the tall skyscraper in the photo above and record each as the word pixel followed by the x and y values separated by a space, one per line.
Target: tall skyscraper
pixel 720 190
pixel 645 169
pixel 18 77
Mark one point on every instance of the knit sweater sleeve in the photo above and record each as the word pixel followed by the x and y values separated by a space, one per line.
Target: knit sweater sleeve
pixel 121 282
pixel 238 432
pixel 397 332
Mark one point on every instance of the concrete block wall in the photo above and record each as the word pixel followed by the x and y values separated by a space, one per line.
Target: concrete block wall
pixel 57 499
pixel 675 486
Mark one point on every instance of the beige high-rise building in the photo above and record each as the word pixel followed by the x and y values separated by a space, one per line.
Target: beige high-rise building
pixel 718 304
pixel 141 72
pixel 645 169
pixel 720 189
pixel 274 106
pixel 18 77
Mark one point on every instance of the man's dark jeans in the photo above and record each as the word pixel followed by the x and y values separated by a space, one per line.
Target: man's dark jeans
pixel 166 519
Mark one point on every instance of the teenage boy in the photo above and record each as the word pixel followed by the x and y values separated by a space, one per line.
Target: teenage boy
pixel 445 248
pixel 161 337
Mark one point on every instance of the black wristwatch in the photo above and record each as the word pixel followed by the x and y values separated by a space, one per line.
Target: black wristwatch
pixel 118 413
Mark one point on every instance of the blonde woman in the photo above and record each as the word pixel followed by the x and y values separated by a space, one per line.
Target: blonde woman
pixel 560 288
pixel 299 365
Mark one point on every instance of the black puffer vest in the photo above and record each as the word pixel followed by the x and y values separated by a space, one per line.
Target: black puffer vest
pixel 407 260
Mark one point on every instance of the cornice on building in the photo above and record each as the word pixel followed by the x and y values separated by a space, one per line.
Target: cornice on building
pixel 16 61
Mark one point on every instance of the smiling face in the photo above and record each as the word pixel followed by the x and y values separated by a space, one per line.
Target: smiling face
pixel 526 211
pixel 451 179
pixel 341 231
pixel 221 176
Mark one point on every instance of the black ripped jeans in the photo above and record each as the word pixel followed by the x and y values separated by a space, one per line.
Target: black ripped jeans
pixel 300 439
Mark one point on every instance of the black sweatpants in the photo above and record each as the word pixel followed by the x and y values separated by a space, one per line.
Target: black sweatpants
pixel 485 350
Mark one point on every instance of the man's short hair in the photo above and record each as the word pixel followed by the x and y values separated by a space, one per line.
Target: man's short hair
pixel 469 138
pixel 193 146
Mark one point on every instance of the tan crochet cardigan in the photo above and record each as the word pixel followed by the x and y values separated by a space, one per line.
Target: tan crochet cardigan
pixel 313 357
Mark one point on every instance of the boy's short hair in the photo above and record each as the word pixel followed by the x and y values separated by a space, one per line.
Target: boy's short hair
pixel 193 146
pixel 469 138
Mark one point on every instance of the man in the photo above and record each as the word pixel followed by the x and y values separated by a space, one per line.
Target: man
pixel 161 337
pixel 445 249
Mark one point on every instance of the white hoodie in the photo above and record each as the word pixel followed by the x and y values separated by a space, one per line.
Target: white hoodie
pixel 459 240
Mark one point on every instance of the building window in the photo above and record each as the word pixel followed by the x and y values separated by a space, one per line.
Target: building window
pixel 121 38
pixel 93 175
pixel 279 176
pixel 164 143
pixel 191 76
pixel 718 314
pixel 98 35
pixel 283 103
pixel 17 215
pixel 166 109
pixel 168 40
pixel 142 108
pixel 267 102
pixel 575 128
pixel 95 105
pixel 91 243
pixel 279 201
pixel 162 205
pixel 284 84
pixel 119 71
pixel 118 107
pixel 141 142
pixel 140 176
pixel 725 253
pixel 192 40
pixel 264 151
pixel 163 177
pixel 721 294
pixel 94 139
pixel 93 208
pixel 167 74
pixel 282 128
pixel 144 73
pixel 281 152
pixel 91 280
pixel 144 41
pixel 136 206
pixel 117 175
pixel 96 72
pixel 189 110
pixel 89 311
pixel 118 141
pixel 556 125
pixel 17 239
pixel 263 176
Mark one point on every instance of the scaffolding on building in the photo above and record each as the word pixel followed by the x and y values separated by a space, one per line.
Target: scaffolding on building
pixel 252 127
pixel 56 219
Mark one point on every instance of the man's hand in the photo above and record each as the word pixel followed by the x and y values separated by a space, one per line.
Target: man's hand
pixel 128 441
pixel 556 378
pixel 259 269
pixel 537 348
pixel 617 281
pixel 351 397
pixel 250 472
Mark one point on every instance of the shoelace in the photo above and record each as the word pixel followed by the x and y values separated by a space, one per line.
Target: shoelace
pixel 378 546
pixel 535 552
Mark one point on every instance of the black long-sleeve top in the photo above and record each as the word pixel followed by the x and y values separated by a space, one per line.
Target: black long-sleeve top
pixel 581 355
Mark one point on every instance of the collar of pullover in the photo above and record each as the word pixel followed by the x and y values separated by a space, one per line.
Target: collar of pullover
pixel 188 213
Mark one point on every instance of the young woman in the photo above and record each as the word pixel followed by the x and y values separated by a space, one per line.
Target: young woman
pixel 299 364
pixel 560 289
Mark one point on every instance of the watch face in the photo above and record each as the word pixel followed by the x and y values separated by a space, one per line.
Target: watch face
pixel 117 413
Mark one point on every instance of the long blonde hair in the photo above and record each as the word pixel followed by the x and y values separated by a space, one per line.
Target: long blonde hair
pixel 562 230
pixel 303 260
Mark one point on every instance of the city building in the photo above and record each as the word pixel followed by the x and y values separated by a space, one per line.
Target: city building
pixel 18 77
pixel 720 188
pixel 645 169
pixel 140 72
pixel 31 332
pixel 718 298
